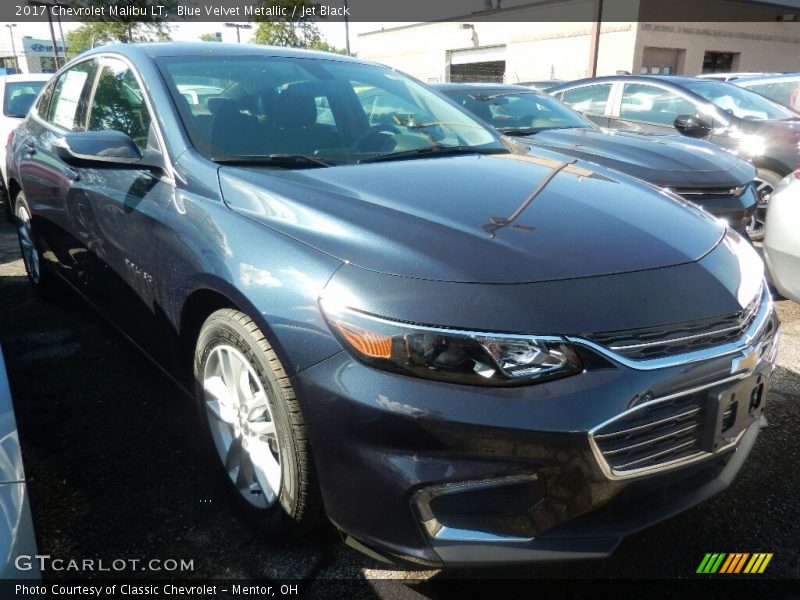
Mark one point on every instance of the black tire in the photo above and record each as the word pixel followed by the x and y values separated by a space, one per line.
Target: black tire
pixel 44 282
pixel 298 508
pixel 766 181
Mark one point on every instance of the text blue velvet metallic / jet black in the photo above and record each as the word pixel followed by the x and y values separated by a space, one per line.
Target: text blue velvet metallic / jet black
pixel 657 333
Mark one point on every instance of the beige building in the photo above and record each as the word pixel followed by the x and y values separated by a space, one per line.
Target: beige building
pixel 526 43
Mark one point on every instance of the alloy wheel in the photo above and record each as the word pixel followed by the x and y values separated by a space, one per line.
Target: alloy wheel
pixel 242 426
pixel 764 190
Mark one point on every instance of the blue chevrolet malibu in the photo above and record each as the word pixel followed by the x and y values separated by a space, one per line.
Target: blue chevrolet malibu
pixel 459 351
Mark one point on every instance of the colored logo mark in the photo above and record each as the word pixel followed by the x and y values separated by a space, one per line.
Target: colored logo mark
pixel 735 562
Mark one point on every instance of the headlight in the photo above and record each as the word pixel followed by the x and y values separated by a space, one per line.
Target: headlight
pixel 466 357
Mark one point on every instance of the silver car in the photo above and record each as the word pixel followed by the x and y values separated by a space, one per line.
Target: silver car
pixel 782 241
pixel 16 527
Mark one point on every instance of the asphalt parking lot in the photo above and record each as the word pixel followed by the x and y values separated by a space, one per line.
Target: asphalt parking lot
pixel 115 471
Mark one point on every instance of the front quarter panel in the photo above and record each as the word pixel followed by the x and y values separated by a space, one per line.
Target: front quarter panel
pixel 269 276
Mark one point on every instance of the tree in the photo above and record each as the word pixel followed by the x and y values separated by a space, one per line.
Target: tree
pixel 94 34
pixel 295 34
pixel 291 30
pixel 119 29
pixel 211 37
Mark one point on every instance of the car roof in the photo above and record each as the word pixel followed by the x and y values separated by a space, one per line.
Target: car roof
pixel 678 80
pixel 164 49
pixel 507 87
pixel 745 81
pixel 27 77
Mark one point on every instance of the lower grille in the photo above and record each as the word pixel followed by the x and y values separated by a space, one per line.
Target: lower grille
pixel 653 434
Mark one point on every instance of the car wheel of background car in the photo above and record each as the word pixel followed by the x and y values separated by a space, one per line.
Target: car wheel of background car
pixel 44 282
pixel 765 181
pixel 249 411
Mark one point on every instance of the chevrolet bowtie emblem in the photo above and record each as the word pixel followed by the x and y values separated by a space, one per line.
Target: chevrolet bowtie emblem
pixel 746 362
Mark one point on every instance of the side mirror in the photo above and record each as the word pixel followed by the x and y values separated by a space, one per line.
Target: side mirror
pixel 692 126
pixel 99 149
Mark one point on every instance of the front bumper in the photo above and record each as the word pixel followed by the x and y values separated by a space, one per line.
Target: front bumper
pixel 441 474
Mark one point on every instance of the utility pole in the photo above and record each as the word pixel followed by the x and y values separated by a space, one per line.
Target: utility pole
pixel 238 27
pixel 594 42
pixel 49 5
pixel 346 29
pixel 13 47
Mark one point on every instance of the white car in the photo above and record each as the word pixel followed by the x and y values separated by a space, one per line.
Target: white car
pixel 17 537
pixel 782 241
pixel 17 93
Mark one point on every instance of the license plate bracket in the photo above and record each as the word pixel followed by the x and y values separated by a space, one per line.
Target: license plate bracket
pixel 732 409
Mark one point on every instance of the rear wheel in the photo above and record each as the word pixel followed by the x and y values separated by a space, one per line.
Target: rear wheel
pixel 765 183
pixel 254 423
pixel 42 281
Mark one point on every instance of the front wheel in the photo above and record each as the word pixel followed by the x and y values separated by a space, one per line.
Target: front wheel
pixel 254 423
pixel 765 183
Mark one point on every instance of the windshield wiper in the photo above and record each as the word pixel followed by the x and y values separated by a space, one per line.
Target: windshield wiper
pixel 430 150
pixel 278 160
pixel 532 130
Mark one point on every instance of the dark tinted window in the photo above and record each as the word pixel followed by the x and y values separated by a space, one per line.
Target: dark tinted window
pixel 19 97
pixel 119 105
pixel 69 97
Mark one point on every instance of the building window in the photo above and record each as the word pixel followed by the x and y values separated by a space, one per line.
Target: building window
pixel 720 62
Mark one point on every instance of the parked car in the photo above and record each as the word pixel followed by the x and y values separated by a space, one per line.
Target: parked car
pixel 782 242
pixel 696 170
pixel 459 350
pixel 783 89
pixel 16 527
pixel 17 93
pixel 542 85
pixel 732 76
pixel 739 120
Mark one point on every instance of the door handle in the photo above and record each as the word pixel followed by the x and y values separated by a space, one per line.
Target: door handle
pixel 29 148
pixel 73 176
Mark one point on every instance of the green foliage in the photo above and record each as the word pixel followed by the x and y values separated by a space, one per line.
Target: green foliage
pixel 295 34
pixel 210 37
pixel 125 30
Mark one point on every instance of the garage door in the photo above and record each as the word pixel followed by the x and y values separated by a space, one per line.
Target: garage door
pixel 494 71
pixel 478 64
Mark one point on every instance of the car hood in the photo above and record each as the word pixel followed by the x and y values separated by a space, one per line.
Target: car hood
pixel 665 160
pixel 476 218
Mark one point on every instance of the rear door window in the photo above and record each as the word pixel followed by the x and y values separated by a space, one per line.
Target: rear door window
pixel 588 99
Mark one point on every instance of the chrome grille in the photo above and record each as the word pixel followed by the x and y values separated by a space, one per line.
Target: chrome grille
pixel 679 338
pixel 653 434
pixel 694 194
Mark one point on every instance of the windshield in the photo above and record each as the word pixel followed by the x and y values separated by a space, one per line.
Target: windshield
pixel 334 111
pixel 20 96
pixel 517 112
pixel 740 102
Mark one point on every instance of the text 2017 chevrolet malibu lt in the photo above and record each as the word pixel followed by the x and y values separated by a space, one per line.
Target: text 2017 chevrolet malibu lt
pixel 461 353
